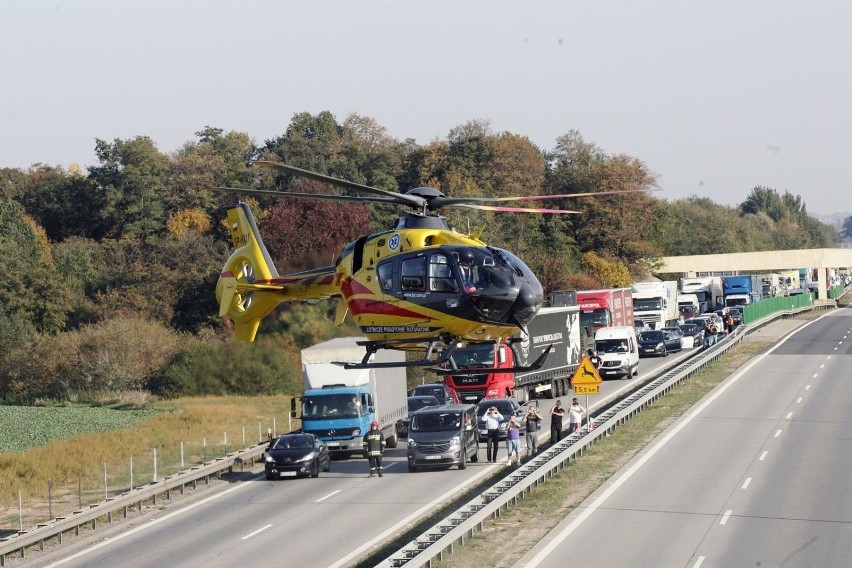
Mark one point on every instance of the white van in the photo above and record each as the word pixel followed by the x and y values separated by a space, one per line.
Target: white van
pixel 618 348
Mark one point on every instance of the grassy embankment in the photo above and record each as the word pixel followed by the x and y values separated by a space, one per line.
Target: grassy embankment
pixel 66 442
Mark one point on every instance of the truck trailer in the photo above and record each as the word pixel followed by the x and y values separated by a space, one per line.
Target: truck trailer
pixel 605 308
pixel 482 367
pixel 338 405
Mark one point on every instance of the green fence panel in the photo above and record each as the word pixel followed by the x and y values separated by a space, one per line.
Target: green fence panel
pixel 759 310
pixel 836 292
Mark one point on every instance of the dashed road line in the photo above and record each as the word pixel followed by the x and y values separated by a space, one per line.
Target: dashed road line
pixel 251 534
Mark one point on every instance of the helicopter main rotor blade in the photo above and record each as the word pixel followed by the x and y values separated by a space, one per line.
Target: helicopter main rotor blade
pixel 319 196
pixel 401 198
pixel 455 201
pixel 508 209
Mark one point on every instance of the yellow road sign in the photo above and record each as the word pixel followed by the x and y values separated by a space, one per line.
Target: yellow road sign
pixel 586 374
pixel 587 389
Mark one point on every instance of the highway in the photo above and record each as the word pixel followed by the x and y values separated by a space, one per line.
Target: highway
pixel 757 474
pixel 329 521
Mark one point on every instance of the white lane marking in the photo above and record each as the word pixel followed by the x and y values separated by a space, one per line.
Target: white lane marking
pixel 762 456
pixel 725 517
pixel 395 528
pixel 747 481
pixel 807 387
pixel 822 366
pixel 777 433
pixel 390 465
pixel 799 400
pixel 153 522
pixel 251 534
pixel 828 357
pixel 606 493
pixel 699 562
pixel 789 415
pixel 835 348
pixel 332 494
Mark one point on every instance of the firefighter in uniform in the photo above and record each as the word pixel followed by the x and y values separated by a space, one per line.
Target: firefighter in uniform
pixel 374 447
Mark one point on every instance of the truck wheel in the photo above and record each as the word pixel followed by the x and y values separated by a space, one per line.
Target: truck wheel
pixel 463 462
pixel 391 441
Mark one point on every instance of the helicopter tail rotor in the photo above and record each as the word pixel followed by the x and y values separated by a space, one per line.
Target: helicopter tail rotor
pixel 240 295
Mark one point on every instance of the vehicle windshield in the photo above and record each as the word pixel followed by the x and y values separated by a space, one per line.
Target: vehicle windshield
pixel 598 318
pixel 293 442
pixel 503 408
pixel 475 355
pixel 422 402
pixel 325 406
pixel 645 304
pixel 689 329
pixel 435 421
pixel 651 336
pixel 611 345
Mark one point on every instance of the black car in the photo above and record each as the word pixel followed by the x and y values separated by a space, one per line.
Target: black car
pixel 657 342
pixel 296 454
pixel 507 407
pixel 415 403
pixel 442 392
pixel 674 338
pixel 737 315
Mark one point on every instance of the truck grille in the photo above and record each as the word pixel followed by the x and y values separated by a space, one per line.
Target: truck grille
pixel 468 395
pixel 333 434
pixel 433 447
pixel 611 363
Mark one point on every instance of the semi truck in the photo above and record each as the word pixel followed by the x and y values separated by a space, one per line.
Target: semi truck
pixel 738 290
pixel 605 308
pixel 707 289
pixel 655 303
pixel 484 369
pixel 688 305
pixel 338 405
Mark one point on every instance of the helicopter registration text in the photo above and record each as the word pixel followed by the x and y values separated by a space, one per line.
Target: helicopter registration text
pixel 396 329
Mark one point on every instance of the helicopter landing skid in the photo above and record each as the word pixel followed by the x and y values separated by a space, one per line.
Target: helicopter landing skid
pixel 441 346
pixel 534 366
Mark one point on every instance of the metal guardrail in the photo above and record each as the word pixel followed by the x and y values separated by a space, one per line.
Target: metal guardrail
pixel 456 528
pixel 124 503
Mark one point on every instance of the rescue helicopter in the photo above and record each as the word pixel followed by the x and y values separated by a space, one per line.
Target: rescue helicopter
pixel 419 286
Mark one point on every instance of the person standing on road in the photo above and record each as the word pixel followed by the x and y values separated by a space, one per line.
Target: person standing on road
pixel 533 424
pixel 492 425
pixel 513 442
pixel 595 359
pixel 374 447
pixel 557 413
pixel 575 416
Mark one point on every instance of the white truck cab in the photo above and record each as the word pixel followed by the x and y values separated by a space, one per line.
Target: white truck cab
pixel 618 348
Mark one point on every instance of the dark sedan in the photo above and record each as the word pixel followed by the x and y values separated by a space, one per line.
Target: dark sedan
pixel 442 392
pixel 658 342
pixel 294 455
pixel 737 314
pixel 415 403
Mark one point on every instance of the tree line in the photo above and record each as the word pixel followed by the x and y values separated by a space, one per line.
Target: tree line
pixel 110 270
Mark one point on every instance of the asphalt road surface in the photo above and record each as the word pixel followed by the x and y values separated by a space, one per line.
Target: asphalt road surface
pixel 329 521
pixel 755 475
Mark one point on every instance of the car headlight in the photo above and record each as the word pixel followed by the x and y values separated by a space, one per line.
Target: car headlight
pixel 308 457
pixel 269 459
pixel 455 441
pixel 659 346
pixel 412 443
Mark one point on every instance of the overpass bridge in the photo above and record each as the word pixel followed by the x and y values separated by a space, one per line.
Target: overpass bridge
pixel 769 261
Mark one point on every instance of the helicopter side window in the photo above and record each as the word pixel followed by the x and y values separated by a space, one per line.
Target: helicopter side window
pixel 440 276
pixel 385 272
pixel 413 275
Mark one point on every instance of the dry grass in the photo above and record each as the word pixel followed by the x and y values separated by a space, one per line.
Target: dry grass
pixel 221 422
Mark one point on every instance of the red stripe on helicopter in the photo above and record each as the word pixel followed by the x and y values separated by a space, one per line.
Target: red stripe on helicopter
pixel 383 308
pixel 352 287
pixel 226 274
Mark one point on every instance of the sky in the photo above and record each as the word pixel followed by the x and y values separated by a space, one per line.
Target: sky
pixel 715 98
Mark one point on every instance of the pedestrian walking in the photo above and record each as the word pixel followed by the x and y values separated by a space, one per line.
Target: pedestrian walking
pixel 533 424
pixel 575 416
pixel 374 448
pixel 557 413
pixel 492 425
pixel 513 442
